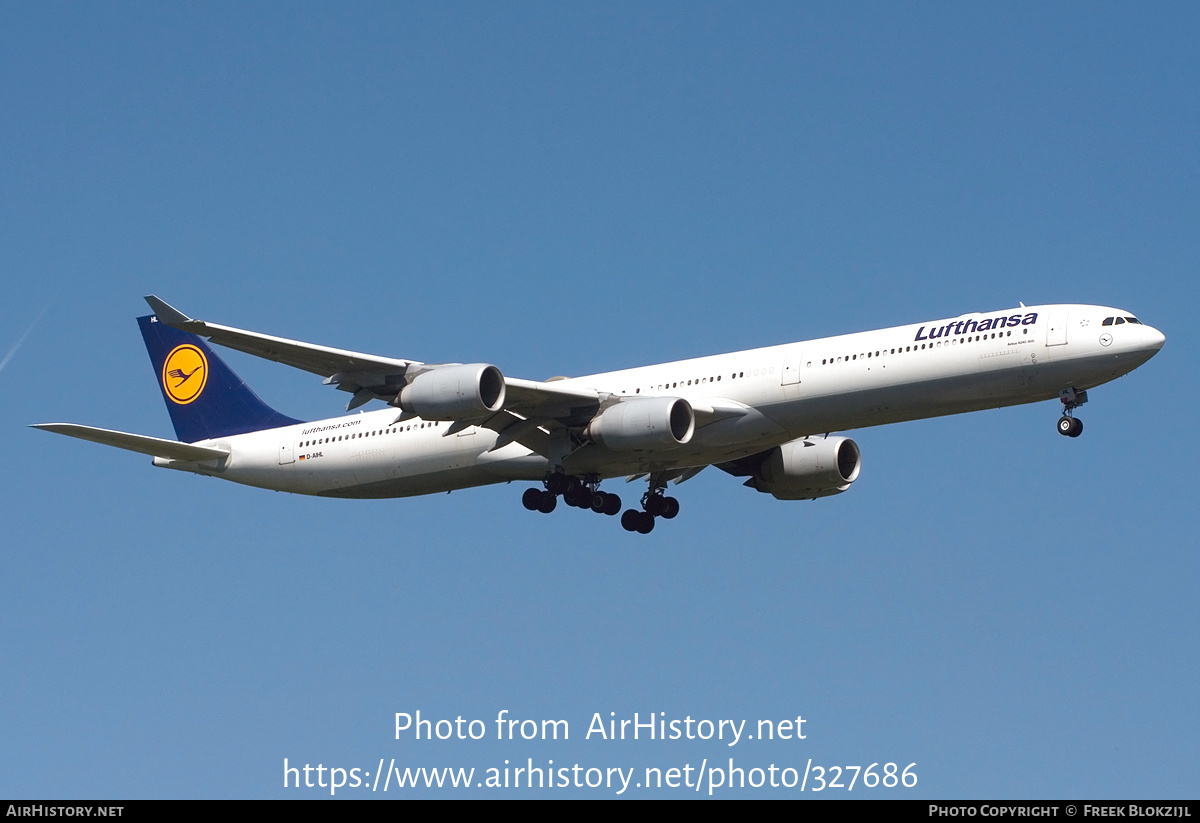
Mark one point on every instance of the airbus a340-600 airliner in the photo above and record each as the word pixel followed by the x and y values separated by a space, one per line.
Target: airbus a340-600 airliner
pixel 765 414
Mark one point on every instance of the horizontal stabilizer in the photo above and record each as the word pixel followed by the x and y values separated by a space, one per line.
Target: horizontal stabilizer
pixel 153 446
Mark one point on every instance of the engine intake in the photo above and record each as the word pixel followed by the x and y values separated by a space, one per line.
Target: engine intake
pixel 808 469
pixel 644 424
pixel 458 392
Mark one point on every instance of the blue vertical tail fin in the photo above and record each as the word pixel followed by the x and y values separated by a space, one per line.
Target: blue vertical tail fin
pixel 205 398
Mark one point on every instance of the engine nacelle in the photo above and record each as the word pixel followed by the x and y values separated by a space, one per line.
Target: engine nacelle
pixel 457 392
pixel 808 469
pixel 644 424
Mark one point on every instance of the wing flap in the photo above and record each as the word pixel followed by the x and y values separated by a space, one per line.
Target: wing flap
pixel 153 446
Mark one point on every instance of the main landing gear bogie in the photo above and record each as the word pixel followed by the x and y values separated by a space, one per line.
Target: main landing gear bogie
pixel 582 493
pixel 576 492
pixel 654 504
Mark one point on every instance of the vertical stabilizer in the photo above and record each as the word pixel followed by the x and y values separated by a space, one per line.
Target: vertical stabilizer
pixel 204 396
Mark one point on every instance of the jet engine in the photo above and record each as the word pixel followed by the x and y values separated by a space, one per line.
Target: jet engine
pixel 643 424
pixel 808 469
pixel 457 392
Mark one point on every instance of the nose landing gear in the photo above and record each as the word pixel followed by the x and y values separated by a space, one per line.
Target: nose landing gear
pixel 1068 425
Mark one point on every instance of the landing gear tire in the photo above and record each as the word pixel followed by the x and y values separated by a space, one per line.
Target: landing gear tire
pixel 605 503
pixel 1070 426
pixel 658 506
pixel 532 499
pixel 670 508
pixel 629 520
pixel 547 503
pixel 635 521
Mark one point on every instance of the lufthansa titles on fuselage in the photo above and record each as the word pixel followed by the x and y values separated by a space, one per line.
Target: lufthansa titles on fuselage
pixel 332 426
pixel 972 326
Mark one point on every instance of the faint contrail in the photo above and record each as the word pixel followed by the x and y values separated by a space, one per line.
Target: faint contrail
pixel 21 339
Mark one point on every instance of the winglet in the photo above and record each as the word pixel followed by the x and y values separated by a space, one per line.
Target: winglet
pixel 170 315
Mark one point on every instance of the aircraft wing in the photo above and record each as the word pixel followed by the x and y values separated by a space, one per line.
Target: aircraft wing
pixel 716 409
pixel 153 446
pixel 370 376
pixel 320 360
pixel 533 398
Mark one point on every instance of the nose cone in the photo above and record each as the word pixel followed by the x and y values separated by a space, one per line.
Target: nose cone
pixel 1147 343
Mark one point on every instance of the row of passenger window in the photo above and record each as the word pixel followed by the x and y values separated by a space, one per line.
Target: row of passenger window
pixel 359 435
pixel 693 382
pixel 906 349
pixel 847 358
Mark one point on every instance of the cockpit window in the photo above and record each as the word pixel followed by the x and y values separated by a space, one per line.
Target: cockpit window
pixel 1107 321
pixel 1120 321
pixel 1133 320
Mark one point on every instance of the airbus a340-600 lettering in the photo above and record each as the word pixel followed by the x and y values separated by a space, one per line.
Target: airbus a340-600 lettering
pixel 765 414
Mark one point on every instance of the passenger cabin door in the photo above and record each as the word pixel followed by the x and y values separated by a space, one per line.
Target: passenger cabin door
pixel 789 381
pixel 1056 329
pixel 791 366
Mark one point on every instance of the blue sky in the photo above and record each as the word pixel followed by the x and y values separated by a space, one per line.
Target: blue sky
pixel 570 189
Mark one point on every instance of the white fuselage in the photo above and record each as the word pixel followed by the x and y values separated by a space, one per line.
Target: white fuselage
pixel 746 402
